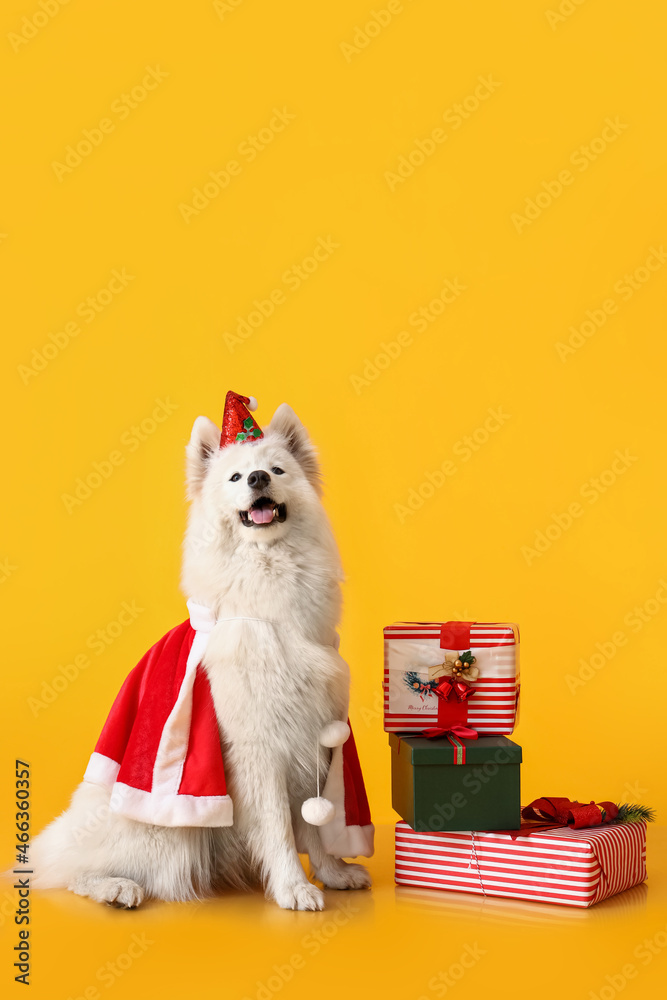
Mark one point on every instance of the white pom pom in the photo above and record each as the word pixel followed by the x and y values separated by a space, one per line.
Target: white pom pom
pixel 252 403
pixel 318 811
pixel 335 734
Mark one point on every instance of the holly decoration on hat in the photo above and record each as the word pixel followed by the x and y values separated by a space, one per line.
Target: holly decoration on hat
pixel 250 430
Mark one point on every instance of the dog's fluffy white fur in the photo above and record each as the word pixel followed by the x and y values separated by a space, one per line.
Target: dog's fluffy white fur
pixel 274 687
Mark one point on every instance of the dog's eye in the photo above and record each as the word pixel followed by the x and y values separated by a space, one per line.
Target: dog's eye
pixel 277 471
pixel 235 478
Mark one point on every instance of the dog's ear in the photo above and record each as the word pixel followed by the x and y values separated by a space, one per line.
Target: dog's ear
pixel 204 442
pixel 286 423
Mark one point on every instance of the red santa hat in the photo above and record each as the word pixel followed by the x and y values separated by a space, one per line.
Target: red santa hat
pixel 237 424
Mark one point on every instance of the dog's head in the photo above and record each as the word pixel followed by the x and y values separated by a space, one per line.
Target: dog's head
pixel 253 491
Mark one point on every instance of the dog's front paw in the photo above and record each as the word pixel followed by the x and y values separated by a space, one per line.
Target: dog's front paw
pixel 302 896
pixel 121 892
pixel 345 876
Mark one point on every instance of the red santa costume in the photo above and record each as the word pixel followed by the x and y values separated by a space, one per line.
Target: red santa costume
pixel 160 753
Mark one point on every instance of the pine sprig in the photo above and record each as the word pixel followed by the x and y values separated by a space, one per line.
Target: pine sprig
pixel 632 813
pixel 417 685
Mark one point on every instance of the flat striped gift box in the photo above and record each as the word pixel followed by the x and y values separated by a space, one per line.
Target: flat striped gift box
pixel 413 647
pixel 570 867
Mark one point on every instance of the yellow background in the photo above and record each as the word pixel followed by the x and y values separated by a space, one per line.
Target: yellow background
pixel 463 553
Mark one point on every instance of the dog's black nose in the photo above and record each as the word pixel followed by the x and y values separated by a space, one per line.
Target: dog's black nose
pixel 258 479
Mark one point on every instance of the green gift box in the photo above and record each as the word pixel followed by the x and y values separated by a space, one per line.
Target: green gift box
pixel 460 785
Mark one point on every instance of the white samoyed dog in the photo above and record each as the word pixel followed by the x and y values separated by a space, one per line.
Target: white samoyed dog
pixel 258 544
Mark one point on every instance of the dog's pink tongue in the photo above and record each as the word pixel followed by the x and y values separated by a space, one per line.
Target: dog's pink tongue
pixel 262 516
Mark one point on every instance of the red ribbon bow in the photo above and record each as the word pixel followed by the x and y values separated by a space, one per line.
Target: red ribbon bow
pixel 462 732
pixel 454 734
pixel 564 812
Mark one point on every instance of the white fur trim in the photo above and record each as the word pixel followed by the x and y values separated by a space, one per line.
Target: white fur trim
pixel 252 403
pixel 101 770
pixel 171 810
pixel 173 748
pixel 351 842
pixel 335 734
pixel 338 839
pixel 202 618
pixel 318 811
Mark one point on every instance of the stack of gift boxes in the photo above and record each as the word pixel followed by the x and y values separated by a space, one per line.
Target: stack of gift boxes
pixel 451 699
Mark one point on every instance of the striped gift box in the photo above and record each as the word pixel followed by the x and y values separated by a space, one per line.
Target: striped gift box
pixel 570 867
pixel 415 646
